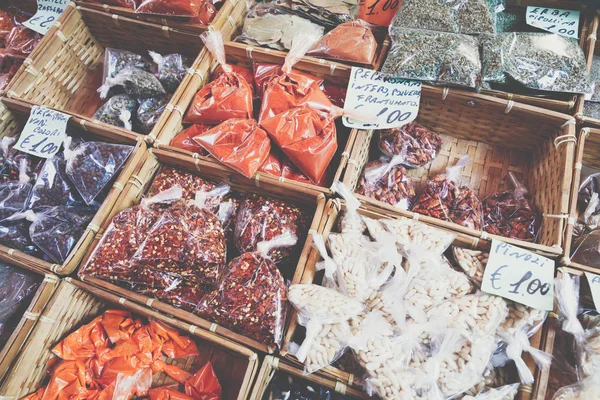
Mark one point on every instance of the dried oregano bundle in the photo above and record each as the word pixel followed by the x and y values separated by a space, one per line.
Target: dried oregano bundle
pixel 542 61
pixel 442 57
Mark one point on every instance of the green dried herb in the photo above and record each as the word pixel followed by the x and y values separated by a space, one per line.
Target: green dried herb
pixel 591 109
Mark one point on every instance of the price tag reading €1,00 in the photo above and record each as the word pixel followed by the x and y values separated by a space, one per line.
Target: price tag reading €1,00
pixel 555 20
pixel 519 275
pixel 44 132
pixel 390 102
pixel 594 282
pixel 47 13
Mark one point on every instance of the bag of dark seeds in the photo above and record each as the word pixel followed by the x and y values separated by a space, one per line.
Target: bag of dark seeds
pixel 92 165
pixel 11 162
pixel 118 111
pixel 56 230
pixel 14 194
pixel 52 187
pixel 149 112
pixel 14 233
pixel 136 82
pixel 171 69
pixel 116 60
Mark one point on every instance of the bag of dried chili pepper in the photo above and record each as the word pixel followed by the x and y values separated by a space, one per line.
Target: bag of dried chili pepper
pixel 251 297
pixel 206 13
pixel 172 8
pixel 510 214
pixel 442 198
pixel 184 141
pixel 422 145
pixel 279 166
pixel 293 89
pixel 238 143
pixel 15 165
pixel 228 96
pixel 92 165
pixel 261 219
pixel 351 41
pixel 307 136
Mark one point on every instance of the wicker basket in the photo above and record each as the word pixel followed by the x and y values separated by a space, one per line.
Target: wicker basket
pixel 241 54
pixel 137 186
pixel 65 70
pixel 588 150
pixel 590 47
pixel 271 365
pixel 178 23
pixel 500 136
pixel 295 332
pixel 29 319
pixel 76 303
pixel 13 115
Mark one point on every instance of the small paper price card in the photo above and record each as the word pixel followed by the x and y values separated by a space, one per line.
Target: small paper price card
pixel 555 20
pixel 594 281
pixel 519 275
pixel 44 132
pixel 390 102
pixel 377 12
pixel 47 13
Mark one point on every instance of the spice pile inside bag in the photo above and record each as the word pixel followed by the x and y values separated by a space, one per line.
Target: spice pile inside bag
pixel 46 205
pixel 202 247
pixel 414 319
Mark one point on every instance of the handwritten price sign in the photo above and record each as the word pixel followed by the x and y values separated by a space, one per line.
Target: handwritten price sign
pixel 377 12
pixel 519 275
pixel 44 132
pixel 393 102
pixel 47 13
pixel 555 20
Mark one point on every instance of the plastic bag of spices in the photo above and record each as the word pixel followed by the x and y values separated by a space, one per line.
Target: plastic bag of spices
pixel 137 83
pixel 189 183
pixel 92 165
pixel 206 14
pixel 14 194
pixel 184 139
pixel 53 187
pixel 307 136
pixel 278 165
pixel 351 41
pixel 292 89
pixel 119 111
pixel 442 198
pixel 260 219
pixel 172 8
pixel 228 96
pixel 586 249
pixel 149 112
pixel 171 69
pixel 238 143
pixel 420 144
pixel 246 73
pixel 15 166
pixel 510 213
pixel 120 3
pixel 56 230
pixel 187 243
pixel 21 40
pixel 251 298
pixel 14 233
pixel 115 60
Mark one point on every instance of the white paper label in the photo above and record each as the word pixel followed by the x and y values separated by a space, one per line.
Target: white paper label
pixel 594 281
pixel 555 20
pixel 44 132
pixel 47 13
pixel 519 275
pixel 389 102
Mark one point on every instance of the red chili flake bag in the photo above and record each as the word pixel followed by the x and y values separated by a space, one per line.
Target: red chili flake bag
pixel 238 143
pixel 421 144
pixel 292 89
pixel 21 41
pixel 351 41
pixel 388 181
pixel 261 219
pixel 184 141
pixel 265 73
pixel 277 164
pixel 7 23
pixel 307 136
pixel 228 96
pixel 251 298
pixel 172 8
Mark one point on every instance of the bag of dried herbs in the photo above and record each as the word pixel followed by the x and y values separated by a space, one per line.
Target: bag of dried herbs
pixel 115 60
pixel 540 61
pixel 171 69
pixel 149 112
pixel 136 82
pixel 119 110
pixel 446 58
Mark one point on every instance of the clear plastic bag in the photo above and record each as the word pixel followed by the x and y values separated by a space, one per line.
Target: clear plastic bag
pixel 588 201
pixel 92 165
pixel 445 58
pixel 14 233
pixel 16 165
pixel 442 198
pixel 136 82
pixel 308 137
pixel 171 69
pixel 184 139
pixel 351 222
pixel 250 298
pixel 228 96
pixel 53 187
pixel 14 194
pixel 510 213
pixel 115 60
pixel 240 144
pixel 120 3
pixel 586 249
pixel 541 61
pixel 261 219
pixel 149 112
pixel 172 8
pixel 387 181
pixel 420 144
pixel 351 41
pixel 57 229
pixel 118 111
pixel 278 165
pixel 506 392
